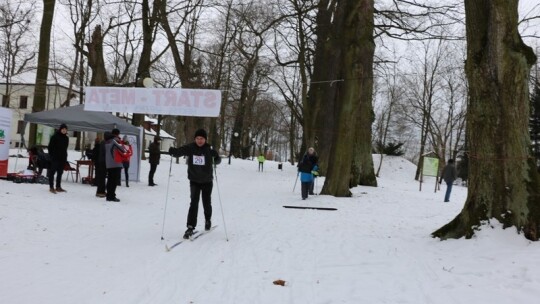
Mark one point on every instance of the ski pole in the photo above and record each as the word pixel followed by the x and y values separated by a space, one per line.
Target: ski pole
pixel 166 199
pixel 295 181
pixel 221 205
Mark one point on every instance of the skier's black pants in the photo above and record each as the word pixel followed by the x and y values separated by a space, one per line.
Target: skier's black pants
pixel 153 168
pixel 56 167
pixel 196 190
pixel 305 188
pixel 113 174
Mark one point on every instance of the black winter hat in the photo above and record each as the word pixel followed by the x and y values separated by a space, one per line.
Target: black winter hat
pixel 202 133
pixel 63 126
pixel 115 131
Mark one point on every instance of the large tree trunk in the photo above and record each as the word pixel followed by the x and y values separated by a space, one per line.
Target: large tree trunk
pixel 503 183
pixel 351 154
pixel 363 51
pixel 318 110
pixel 96 60
pixel 42 64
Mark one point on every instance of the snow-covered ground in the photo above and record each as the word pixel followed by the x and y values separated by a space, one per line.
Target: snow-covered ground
pixel 376 248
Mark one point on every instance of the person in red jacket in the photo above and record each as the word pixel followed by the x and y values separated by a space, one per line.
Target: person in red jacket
pixel 126 157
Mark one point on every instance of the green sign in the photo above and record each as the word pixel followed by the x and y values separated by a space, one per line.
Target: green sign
pixel 430 166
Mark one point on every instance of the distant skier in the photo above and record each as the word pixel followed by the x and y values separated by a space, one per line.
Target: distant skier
pixel 261 160
pixel 449 174
pixel 200 161
pixel 308 169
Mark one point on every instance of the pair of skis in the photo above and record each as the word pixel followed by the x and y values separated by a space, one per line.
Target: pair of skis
pixel 197 234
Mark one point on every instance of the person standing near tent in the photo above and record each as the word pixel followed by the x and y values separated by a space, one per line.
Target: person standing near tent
pixel 261 160
pixel 308 170
pixel 58 154
pixel 201 159
pixel 126 157
pixel 101 168
pixel 155 154
pixel 449 175
pixel 114 152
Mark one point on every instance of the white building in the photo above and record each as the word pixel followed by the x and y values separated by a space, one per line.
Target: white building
pixel 18 95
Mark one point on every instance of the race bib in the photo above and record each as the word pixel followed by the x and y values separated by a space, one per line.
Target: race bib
pixel 198 160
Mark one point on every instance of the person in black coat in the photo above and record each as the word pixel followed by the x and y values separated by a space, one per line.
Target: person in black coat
pixel 449 175
pixel 201 159
pixel 58 145
pixel 155 154
pixel 98 157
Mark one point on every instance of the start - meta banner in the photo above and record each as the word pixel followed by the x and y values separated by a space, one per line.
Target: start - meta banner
pixel 185 102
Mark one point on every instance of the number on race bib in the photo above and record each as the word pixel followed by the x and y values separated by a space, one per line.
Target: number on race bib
pixel 198 160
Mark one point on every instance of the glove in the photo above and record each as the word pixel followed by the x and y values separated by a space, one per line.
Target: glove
pixel 316 173
pixel 174 152
pixel 215 157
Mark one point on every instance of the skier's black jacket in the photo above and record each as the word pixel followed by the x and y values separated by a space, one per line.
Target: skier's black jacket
pixel 200 161
pixel 307 163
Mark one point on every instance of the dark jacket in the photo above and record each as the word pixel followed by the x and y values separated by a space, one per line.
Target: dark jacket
pixel 155 153
pixel 58 147
pixel 307 163
pixel 96 153
pixel 200 161
pixel 449 173
pixel 102 153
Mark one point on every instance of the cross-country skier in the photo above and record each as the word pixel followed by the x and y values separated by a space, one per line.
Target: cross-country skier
pixel 200 160
pixel 308 171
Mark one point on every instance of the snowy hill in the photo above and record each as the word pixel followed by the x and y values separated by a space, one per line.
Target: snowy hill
pixel 376 248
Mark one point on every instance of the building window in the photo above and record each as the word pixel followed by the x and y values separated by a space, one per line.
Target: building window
pixel 23 102
pixel 20 126
pixel 5 100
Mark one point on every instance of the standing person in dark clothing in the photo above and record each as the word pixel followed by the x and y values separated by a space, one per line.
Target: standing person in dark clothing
pixel 114 152
pixel 200 159
pixel 95 159
pixel 58 154
pixel 155 154
pixel 308 169
pixel 101 168
pixel 449 174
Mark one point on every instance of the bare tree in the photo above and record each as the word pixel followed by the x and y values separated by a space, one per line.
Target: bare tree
pixel 42 64
pixel 16 52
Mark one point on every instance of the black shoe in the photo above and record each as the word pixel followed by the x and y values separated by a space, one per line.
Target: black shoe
pixel 152 184
pixel 189 232
pixel 113 200
pixel 207 225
